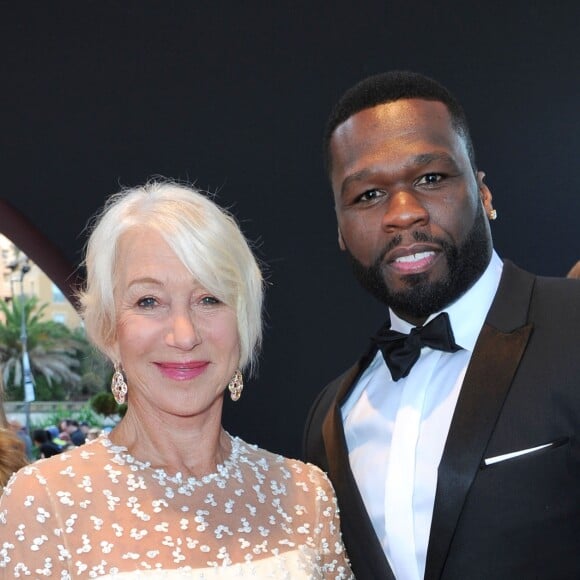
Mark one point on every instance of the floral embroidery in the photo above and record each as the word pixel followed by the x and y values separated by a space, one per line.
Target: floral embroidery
pixel 98 512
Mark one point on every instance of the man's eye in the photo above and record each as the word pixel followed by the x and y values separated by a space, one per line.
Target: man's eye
pixel 430 179
pixel 370 195
pixel 147 302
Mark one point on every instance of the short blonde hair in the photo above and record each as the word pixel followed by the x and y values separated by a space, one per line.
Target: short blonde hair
pixel 204 236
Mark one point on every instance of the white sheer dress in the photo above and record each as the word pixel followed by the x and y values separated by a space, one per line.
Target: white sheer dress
pixel 98 512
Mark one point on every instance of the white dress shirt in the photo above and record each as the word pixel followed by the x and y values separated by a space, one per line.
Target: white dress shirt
pixel 396 431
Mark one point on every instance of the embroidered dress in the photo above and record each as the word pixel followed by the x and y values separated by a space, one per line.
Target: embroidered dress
pixel 97 512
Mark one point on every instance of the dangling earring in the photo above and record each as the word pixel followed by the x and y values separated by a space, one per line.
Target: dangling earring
pixel 493 215
pixel 236 386
pixel 118 385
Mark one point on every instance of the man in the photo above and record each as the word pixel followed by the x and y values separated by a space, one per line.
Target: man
pixel 46 446
pixel 461 463
pixel 71 428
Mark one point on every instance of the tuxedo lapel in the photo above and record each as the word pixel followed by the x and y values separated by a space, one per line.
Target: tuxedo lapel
pixel 497 354
pixel 364 549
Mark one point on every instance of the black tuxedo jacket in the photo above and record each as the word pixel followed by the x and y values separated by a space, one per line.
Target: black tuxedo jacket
pixel 515 519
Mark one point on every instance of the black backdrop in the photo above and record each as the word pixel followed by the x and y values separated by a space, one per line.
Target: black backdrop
pixel 233 96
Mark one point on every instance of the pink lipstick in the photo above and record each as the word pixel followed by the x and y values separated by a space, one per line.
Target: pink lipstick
pixel 182 371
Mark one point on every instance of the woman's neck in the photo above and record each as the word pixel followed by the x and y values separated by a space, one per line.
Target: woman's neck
pixel 192 446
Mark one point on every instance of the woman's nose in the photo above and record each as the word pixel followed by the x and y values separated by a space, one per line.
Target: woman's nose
pixel 183 333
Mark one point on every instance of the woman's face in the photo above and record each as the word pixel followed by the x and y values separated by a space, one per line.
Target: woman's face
pixel 178 344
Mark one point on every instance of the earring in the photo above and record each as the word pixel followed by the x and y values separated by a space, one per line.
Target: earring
pixel 118 385
pixel 236 386
pixel 493 215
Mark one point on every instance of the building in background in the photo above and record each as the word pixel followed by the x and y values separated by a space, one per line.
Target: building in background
pixel 36 283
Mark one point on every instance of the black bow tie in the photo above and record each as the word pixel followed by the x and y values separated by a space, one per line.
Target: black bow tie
pixel 401 351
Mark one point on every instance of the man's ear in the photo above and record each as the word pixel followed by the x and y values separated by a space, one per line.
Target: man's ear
pixel 341 243
pixel 484 193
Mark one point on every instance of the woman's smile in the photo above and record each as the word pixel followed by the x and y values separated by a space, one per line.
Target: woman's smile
pixel 182 371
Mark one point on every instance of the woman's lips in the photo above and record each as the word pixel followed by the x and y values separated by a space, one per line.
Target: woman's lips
pixel 182 371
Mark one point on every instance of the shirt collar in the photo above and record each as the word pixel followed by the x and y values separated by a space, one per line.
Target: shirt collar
pixel 467 314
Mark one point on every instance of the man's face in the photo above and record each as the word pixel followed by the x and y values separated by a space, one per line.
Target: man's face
pixel 410 210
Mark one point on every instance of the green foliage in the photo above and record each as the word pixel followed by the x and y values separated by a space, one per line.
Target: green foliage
pixel 51 347
pixel 44 391
pixel 94 369
pixel 64 365
pixel 104 403
pixel 84 414
pixel 87 414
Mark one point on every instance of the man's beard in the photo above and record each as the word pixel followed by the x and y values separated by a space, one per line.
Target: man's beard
pixel 422 297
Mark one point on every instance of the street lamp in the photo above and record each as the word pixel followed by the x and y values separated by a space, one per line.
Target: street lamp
pixel 22 265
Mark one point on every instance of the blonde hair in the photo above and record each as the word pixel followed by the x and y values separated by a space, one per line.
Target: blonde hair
pixel 204 236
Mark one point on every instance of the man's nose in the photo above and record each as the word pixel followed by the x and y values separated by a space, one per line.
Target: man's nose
pixel 404 210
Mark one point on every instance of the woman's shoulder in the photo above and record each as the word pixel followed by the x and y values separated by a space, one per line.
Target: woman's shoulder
pixel 294 469
pixel 64 462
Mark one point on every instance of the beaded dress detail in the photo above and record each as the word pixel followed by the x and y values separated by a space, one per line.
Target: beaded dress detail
pixel 98 512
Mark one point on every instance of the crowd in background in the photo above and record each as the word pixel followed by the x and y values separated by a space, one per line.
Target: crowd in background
pixel 53 439
pixel 18 447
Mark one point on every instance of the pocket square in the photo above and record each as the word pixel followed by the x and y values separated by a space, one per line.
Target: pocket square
pixel 506 456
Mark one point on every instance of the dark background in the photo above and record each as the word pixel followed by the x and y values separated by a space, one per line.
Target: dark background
pixel 233 96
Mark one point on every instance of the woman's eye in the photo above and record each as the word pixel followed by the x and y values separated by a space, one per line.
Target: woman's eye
pixel 209 300
pixel 147 302
pixel 430 179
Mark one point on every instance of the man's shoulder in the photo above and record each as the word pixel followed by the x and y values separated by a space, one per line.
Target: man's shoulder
pixel 514 273
pixel 523 295
pixel 558 293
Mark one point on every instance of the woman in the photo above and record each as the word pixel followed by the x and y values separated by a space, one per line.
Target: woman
pixel 173 298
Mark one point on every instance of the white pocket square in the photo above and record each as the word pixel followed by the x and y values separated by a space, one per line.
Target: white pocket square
pixel 506 456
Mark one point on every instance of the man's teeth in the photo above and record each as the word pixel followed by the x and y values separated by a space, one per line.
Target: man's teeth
pixel 414 257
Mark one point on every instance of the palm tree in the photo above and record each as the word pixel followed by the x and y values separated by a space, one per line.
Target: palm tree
pixel 52 348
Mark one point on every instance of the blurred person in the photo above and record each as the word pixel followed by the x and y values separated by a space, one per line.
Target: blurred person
pixel 64 440
pixel 173 298
pixel 55 436
pixel 77 435
pixel 85 428
pixel 454 442
pixel 70 431
pixel 93 433
pixel 46 446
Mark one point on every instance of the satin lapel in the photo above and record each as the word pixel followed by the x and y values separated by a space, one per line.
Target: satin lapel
pixel 363 546
pixel 487 382
pixel 332 429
